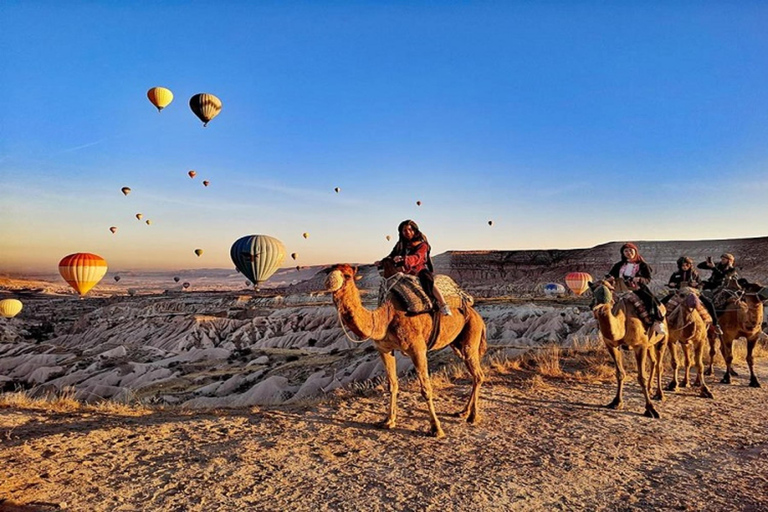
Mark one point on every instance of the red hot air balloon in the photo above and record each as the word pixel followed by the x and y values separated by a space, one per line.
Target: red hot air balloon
pixel 192 174
pixel 126 190
pixel 418 203
pixel 185 285
pixel 206 183
pixel 113 229
pixel 82 270
pixel 578 281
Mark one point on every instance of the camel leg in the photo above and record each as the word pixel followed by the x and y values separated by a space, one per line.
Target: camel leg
pixel 390 365
pixel 687 353
pixel 704 392
pixel 753 382
pixel 472 410
pixel 726 348
pixel 712 338
pixel 660 349
pixel 617 402
pixel 420 363
pixel 640 354
pixel 672 386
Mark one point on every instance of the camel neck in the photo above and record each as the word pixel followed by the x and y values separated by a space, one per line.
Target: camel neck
pixel 361 321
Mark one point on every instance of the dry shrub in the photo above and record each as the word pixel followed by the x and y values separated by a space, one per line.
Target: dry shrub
pixel 504 364
pixel 64 401
pixel 537 383
pixel 547 361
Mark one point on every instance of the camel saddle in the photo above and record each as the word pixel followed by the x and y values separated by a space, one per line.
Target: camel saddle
pixel 690 297
pixel 408 290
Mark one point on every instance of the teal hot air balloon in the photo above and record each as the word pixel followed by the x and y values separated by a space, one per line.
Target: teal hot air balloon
pixel 257 256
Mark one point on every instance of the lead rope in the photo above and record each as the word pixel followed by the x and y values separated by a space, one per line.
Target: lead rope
pixel 346 332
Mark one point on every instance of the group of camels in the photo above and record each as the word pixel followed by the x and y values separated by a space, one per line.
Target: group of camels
pixel 391 327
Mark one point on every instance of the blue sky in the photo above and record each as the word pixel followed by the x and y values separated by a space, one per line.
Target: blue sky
pixel 568 124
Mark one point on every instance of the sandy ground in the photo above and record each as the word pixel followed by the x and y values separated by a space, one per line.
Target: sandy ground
pixel 543 444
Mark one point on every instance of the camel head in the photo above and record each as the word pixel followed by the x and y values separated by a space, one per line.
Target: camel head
pixel 339 275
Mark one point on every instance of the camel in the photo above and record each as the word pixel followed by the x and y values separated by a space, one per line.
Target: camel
pixel 742 316
pixel 688 328
pixel 619 325
pixel 390 329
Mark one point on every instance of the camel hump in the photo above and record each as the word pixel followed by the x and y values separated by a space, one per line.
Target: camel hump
pixel 409 291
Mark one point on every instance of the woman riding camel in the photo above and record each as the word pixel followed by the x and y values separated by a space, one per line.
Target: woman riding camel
pixel 411 255
pixel 720 271
pixel 686 276
pixel 634 274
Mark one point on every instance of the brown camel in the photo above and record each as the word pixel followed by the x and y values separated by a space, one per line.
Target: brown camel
pixel 392 329
pixel 619 325
pixel 688 328
pixel 742 316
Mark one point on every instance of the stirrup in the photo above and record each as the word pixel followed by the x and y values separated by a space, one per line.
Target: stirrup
pixel 658 328
pixel 445 310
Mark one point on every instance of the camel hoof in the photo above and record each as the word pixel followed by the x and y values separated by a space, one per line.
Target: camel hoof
pixel 697 383
pixel 733 372
pixel 437 433
pixel 473 419
pixel 616 404
pixel 463 415
pixel 651 412
pixel 754 383
pixel 706 393
pixel 726 378
pixel 659 396
pixel 708 371
pixel 672 386
pixel 684 384
pixel 385 424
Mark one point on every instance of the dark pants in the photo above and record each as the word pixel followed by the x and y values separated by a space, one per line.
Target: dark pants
pixel 427 280
pixel 650 302
pixel 710 308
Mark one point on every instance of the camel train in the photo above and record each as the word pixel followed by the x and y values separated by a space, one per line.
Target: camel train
pixel 392 326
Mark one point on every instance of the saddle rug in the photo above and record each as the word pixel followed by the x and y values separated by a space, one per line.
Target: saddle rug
pixel 408 290
pixel 693 302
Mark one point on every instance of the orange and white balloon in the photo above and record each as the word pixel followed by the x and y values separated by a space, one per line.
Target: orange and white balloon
pixel 82 270
pixel 578 281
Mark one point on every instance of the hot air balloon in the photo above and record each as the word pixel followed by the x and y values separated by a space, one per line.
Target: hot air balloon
pixel 490 223
pixel 298 268
pixel 9 308
pixel 388 238
pixel 192 174
pixel 198 252
pixel 294 255
pixel 305 235
pixel 160 97
pixel 185 285
pixel 126 190
pixel 149 222
pixel 113 229
pixel 418 203
pixel 337 190
pixel 177 279
pixel 205 107
pixel 257 256
pixel 139 215
pixel 82 270
pixel 116 278
pixel 578 281
pixel 554 289
pixel 206 183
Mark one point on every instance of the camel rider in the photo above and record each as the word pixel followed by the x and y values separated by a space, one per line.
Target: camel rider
pixel 687 277
pixel 635 274
pixel 720 271
pixel 411 255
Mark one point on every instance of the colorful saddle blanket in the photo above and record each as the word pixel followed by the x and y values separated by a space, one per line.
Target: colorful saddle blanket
pixel 408 290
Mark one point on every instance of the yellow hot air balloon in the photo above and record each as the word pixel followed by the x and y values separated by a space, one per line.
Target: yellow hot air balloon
pixel 149 222
pixel 9 308
pixel 388 238
pixel 198 252
pixel 82 270
pixel 294 255
pixel 305 235
pixel 126 190
pixel 192 174
pixel 113 229
pixel 205 106
pixel 139 216
pixel 160 97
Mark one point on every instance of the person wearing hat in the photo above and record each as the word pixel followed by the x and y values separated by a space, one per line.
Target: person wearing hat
pixel 635 274
pixel 686 276
pixel 720 271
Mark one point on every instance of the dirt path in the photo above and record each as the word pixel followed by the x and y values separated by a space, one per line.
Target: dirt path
pixel 543 444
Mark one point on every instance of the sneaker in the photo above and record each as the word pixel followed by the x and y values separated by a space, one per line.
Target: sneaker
pixel 658 328
pixel 445 309
pixel 718 330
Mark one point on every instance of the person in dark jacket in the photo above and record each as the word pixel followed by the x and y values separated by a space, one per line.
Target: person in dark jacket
pixel 720 271
pixel 686 276
pixel 635 274
pixel 411 255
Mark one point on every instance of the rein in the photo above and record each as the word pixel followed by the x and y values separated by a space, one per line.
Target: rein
pixel 346 332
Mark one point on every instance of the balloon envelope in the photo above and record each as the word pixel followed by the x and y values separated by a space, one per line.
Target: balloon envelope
pixel 205 106
pixel 117 278
pixel 185 285
pixel 578 281
pixel 177 279
pixel 554 289
pixel 139 216
pixel 337 190
pixel 126 190
pixel 113 229
pixel 257 256
pixel 294 255
pixel 192 174
pixel 418 203
pixel 198 252
pixel 305 235
pixel 160 97
pixel 9 308
pixel 82 270
pixel 148 221
pixel 206 183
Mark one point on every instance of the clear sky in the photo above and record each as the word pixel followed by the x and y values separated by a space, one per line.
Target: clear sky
pixel 567 123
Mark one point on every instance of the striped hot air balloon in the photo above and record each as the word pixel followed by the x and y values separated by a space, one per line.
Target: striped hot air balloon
pixel 82 270
pixel 9 308
pixel 578 281
pixel 160 97
pixel 205 106
pixel 257 256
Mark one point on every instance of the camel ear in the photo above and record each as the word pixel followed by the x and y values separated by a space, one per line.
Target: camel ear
pixel 358 277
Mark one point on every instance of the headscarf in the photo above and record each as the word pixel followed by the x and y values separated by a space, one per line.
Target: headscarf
pixel 636 259
pixel 683 259
pixel 401 247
